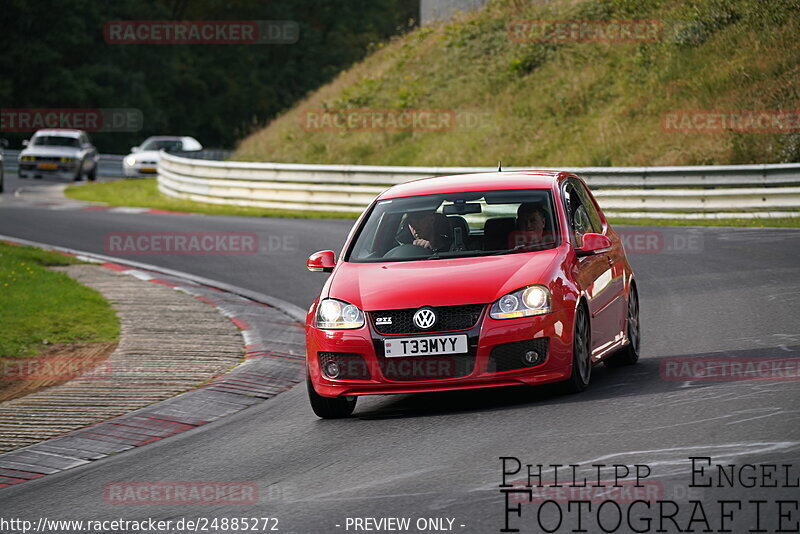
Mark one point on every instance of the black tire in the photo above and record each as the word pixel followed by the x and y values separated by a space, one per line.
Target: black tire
pixel 629 354
pixel 79 173
pixel 2 177
pixel 581 353
pixel 327 407
pixel 92 175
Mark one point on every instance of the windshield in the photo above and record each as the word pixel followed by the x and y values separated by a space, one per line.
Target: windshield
pixel 55 140
pixel 457 225
pixel 162 144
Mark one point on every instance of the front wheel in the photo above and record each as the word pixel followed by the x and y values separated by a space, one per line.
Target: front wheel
pixel 327 407
pixel 92 175
pixel 581 354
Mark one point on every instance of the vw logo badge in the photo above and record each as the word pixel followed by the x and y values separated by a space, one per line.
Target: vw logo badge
pixel 424 318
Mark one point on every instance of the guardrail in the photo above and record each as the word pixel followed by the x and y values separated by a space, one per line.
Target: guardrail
pixel 681 192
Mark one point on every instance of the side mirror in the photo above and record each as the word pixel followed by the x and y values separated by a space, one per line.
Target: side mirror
pixel 4 143
pixel 594 244
pixel 321 262
pixel 134 149
pixel 25 142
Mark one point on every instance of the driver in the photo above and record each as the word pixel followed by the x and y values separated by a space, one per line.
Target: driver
pixel 428 230
pixel 421 224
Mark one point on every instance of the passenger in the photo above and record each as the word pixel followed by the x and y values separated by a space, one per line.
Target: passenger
pixel 531 223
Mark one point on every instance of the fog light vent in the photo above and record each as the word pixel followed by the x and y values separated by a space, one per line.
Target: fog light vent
pixel 343 366
pixel 518 355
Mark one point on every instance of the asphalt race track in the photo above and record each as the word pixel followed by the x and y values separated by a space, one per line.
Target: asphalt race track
pixel 717 292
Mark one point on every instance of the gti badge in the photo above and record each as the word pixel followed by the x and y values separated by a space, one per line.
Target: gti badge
pixel 424 318
pixel 383 320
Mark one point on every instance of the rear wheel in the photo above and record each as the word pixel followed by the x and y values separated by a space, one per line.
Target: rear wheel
pixel 327 407
pixel 581 353
pixel 629 354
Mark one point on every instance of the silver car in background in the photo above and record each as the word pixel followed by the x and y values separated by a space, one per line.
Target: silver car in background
pixel 60 153
pixel 143 159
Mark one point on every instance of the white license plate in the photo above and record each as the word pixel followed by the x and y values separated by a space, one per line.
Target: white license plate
pixel 425 346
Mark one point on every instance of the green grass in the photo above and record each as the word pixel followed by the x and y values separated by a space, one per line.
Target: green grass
pixel 143 193
pixel 41 307
pixel 565 104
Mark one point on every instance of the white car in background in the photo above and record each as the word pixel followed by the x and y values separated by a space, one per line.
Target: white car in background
pixel 143 159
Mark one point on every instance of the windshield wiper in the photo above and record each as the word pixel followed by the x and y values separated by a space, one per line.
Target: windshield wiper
pixel 524 248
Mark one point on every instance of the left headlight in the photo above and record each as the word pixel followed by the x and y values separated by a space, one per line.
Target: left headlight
pixel 67 160
pixel 531 300
pixel 338 315
pixel 130 161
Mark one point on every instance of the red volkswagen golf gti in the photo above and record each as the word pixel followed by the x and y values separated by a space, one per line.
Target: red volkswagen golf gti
pixel 471 281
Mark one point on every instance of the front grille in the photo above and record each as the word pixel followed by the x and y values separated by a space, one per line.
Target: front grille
pixel 448 319
pixel 508 356
pixel 351 366
pixel 46 159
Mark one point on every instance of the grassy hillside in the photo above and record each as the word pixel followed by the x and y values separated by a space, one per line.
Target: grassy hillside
pixel 551 104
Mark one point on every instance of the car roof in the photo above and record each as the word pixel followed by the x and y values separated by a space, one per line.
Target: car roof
pixel 167 137
pixel 485 181
pixel 60 132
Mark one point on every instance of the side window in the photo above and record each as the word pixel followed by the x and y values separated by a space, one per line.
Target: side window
pixel 590 209
pixel 579 220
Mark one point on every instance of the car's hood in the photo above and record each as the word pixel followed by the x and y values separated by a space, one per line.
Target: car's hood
pixel 411 284
pixel 147 155
pixel 51 151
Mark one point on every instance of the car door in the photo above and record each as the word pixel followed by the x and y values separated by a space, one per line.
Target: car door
pixel 594 273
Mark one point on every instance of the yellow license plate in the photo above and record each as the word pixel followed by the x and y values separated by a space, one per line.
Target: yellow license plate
pixel 149 170
pixel 48 166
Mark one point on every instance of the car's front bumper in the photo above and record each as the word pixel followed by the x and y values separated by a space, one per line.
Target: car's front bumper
pixel 553 329
pixel 139 170
pixel 33 169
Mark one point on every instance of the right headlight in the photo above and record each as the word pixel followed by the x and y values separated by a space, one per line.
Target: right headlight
pixel 531 300
pixel 338 315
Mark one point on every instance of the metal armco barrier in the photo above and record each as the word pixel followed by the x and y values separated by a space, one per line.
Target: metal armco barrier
pixel 682 192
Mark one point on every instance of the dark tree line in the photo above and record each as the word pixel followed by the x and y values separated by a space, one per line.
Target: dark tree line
pixel 54 55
